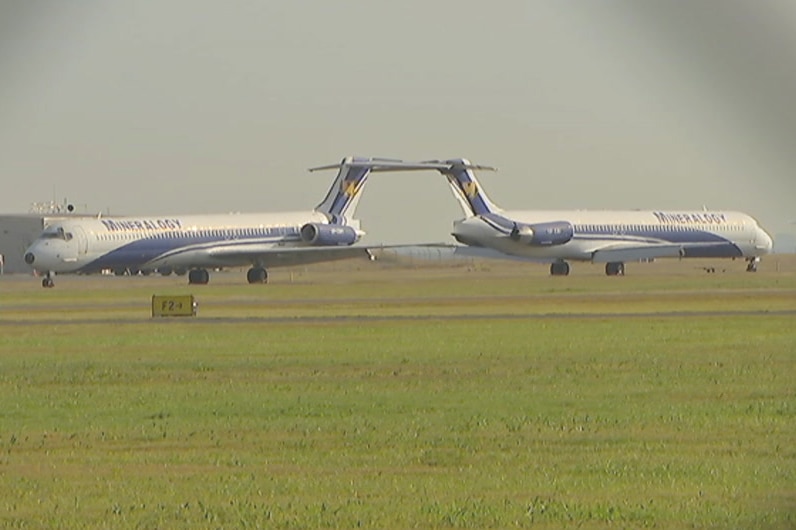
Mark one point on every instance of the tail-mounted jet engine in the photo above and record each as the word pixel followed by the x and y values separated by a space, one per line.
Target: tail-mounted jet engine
pixel 543 234
pixel 328 235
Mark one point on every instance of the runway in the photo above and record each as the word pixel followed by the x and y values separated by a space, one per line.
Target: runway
pixel 342 319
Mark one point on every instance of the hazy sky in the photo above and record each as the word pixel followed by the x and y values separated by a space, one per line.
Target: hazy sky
pixel 199 106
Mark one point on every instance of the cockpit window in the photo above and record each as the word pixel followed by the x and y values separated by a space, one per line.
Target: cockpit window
pixel 56 233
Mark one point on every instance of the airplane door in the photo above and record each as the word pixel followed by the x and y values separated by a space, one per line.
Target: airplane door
pixel 82 241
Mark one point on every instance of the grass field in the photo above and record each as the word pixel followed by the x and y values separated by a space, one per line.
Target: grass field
pixel 478 396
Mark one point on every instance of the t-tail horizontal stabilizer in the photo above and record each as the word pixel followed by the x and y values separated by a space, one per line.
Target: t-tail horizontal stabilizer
pixel 345 192
pixel 343 196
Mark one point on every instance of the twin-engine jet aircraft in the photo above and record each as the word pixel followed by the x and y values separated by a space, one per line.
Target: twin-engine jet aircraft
pixel 196 243
pixel 610 237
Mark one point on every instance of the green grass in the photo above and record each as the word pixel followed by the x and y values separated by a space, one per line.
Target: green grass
pixel 574 422
pixel 495 290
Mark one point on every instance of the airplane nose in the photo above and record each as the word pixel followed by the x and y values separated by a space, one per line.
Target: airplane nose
pixel 764 240
pixel 29 258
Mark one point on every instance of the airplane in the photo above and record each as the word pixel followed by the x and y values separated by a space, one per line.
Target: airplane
pixel 196 243
pixel 612 237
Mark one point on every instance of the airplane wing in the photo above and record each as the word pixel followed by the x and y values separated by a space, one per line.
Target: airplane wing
pixel 268 256
pixel 464 251
pixel 636 252
pixel 632 251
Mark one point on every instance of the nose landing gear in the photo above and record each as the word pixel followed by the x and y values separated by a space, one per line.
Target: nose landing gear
pixel 47 282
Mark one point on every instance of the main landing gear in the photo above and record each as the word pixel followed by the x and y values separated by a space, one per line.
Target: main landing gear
pixel 613 268
pixel 752 265
pixel 559 268
pixel 198 277
pixel 202 276
pixel 257 275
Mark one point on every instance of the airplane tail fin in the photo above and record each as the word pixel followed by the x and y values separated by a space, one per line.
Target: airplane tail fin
pixel 343 196
pixel 466 188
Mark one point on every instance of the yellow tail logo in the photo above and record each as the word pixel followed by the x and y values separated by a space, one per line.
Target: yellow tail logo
pixel 349 188
pixel 470 189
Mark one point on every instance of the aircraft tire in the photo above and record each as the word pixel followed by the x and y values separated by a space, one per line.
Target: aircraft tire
pixel 559 268
pixel 615 268
pixel 198 277
pixel 257 275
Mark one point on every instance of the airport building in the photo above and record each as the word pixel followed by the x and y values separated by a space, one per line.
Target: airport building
pixel 17 232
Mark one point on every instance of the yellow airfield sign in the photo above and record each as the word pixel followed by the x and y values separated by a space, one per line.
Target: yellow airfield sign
pixel 183 305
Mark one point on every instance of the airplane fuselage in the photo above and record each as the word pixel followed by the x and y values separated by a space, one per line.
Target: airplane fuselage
pixel 175 242
pixel 601 236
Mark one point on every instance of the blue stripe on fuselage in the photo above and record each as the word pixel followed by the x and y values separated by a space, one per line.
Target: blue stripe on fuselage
pixel 696 243
pixel 498 222
pixel 142 251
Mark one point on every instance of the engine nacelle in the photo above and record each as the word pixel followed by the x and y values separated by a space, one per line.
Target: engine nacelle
pixel 328 235
pixel 543 234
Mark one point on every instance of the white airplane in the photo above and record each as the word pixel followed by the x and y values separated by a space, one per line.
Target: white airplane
pixel 197 243
pixel 610 237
